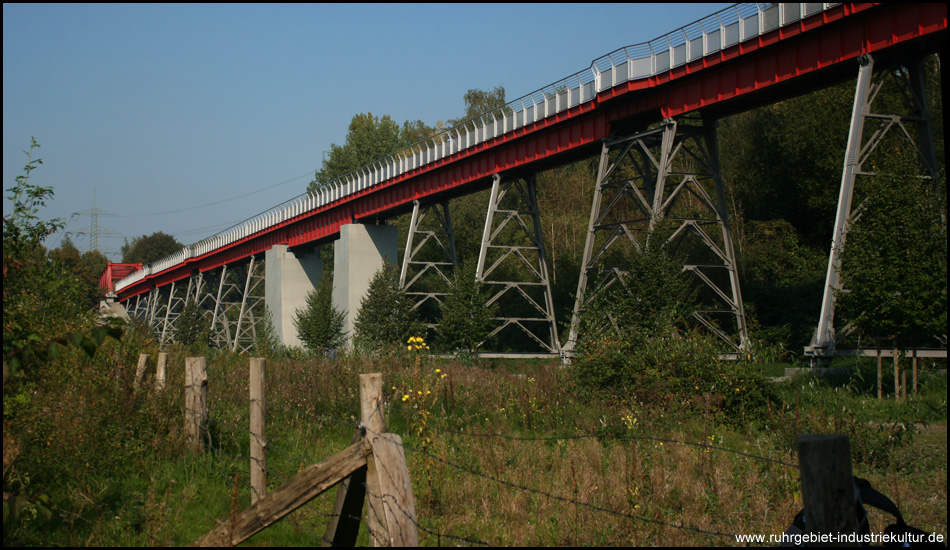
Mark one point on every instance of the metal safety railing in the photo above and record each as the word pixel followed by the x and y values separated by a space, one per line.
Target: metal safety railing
pixel 706 36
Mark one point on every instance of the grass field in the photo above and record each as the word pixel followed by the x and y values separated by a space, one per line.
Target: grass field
pixel 499 453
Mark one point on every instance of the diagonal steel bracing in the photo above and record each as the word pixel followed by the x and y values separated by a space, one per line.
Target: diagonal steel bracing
pixel 882 130
pixel 668 174
pixel 512 262
pixel 238 305
pixel 430 259
pixel 177 297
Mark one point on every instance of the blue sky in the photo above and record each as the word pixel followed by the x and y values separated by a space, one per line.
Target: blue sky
pixel 168 113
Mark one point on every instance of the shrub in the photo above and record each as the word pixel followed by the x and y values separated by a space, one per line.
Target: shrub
pixel 193 326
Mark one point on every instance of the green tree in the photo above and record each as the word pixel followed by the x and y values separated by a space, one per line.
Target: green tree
pixel 386 318
pixel 894 264
pixel 465 320
pixel 86 268
pixel 651 303
pixel 320 324
pixel 369 138
pixel 149 248
pixel 478 102
pixel 45 304
pixel 23 230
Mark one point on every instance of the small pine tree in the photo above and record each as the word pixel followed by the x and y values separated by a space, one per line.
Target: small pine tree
pixel 319 324
pixel 386 317
pixel 465 321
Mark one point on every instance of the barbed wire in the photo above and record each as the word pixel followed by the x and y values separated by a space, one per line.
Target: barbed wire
pixel 618 437
pixel 556 497
pixel 395 503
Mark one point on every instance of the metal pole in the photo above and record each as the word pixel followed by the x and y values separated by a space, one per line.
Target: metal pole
pixel 823 342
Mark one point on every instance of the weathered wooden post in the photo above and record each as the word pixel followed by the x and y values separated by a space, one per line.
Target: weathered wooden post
pixel 880 376
pixel 915 371
pixel 344 524
pixel 373 420
pixel 827 486
pixel 140 370
pixel 393 519
pixel 258 431
pixel 897 376
pixel 391 505
pixel 160 371
pixel 196 402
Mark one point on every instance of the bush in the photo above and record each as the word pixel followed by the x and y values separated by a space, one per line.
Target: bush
pixel 319 324
pixel 635 337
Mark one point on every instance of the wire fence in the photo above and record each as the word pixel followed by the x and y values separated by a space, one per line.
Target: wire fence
pixel 229 435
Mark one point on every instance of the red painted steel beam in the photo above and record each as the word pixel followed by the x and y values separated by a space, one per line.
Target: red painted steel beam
pixel 816 43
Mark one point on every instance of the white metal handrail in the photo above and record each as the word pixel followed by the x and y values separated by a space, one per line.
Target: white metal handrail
pixel 706 36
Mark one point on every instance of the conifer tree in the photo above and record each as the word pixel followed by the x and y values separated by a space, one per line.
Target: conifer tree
pixel 319 324
pixel 386 318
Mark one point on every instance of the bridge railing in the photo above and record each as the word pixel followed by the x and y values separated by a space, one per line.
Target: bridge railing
pixel 706 36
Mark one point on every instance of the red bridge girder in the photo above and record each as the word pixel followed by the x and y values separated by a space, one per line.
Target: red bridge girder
pixel 731 80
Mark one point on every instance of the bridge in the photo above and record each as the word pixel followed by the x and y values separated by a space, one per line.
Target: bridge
pixel 642 108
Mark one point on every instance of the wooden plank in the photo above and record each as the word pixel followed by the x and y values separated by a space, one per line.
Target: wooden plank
pixel 343 528
pixel 394 490
pixel 309 483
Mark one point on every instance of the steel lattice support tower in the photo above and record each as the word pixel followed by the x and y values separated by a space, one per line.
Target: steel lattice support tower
pixel 94 230
pixel 667 174
pixel 430 258
pixel 857 154
pixel 512 262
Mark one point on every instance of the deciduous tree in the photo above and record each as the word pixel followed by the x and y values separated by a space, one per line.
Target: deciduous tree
pixel 149 248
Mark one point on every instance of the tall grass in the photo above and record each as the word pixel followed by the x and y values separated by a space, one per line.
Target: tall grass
pixel 504 454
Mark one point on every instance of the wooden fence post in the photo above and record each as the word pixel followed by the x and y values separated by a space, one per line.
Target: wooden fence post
pixel 827 485
pixel 373 419
pixel 258 431
pixel 379 455
pixel 880 385
pixel 140 370
pixel 915 371
pixel 160 369
pixel 196 402
pixel 391 505
pixel 897 376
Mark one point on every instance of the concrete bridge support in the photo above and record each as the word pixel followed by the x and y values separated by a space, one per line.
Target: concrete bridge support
pixel 358 255
pixel 289 277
